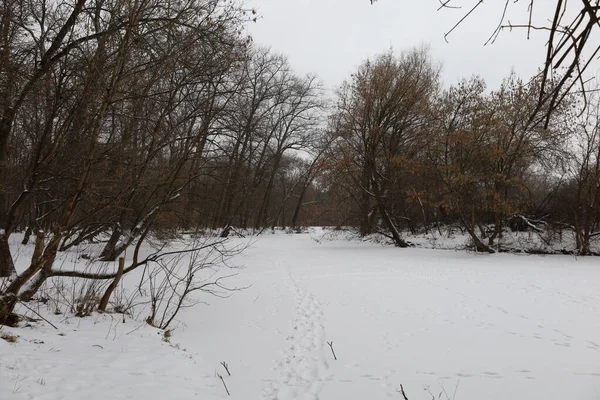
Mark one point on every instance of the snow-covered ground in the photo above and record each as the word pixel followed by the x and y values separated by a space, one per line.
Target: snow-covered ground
pixel 455 324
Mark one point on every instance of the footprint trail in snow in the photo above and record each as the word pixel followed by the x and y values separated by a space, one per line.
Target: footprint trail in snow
pixel 302 369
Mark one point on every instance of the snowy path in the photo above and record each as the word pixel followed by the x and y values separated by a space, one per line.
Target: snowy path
pixel 302 369
pixel 500 327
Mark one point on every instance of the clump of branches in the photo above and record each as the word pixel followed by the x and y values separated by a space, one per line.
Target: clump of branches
pixel 178 279
pixel 573 31
pixel 172 277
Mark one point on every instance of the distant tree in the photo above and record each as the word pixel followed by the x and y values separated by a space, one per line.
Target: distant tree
pixel 584 187
pixel 274 113
pixel 380 120
pixel 486 151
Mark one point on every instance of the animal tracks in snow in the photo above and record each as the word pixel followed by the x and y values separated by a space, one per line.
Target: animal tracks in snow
pixel 302 369
pixel 531 327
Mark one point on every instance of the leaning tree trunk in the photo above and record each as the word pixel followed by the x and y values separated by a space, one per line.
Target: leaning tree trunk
pixel 39 269
pixel 82 236
pixel 47 261
pixel 27 236
pixel 110 251
pixel 387 220
pixel 7 266
pixel 7 306
pixel 479 245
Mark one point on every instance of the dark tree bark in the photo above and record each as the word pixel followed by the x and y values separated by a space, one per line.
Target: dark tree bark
pixel 7 266
pixel 113 285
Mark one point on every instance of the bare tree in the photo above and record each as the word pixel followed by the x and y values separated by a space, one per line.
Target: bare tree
pixel 274 113
pixel 174 281
pixel 380 119
pixel 487 150
pixel 585 172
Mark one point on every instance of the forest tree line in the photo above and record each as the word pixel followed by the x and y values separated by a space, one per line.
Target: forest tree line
pixel 123 119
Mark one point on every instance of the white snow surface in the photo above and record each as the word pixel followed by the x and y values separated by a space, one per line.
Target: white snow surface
pixel 458 325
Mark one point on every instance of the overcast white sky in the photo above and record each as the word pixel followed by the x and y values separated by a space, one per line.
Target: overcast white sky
pixel 332 37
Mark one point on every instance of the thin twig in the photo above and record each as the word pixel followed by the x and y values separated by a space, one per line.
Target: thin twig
pixel 38 314
pixel 226 366
pixel 462 19
pixel 444 4
pixel 331 346
pixel 496 32
pixel 223 380
pixel 401 391
pixel 133 330
pixel 530 19
pixel 455 390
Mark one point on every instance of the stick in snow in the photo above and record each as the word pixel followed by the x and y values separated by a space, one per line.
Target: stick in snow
pixel 331 345
pixel 401 391
pixel 38 314
pixel 226 366
pixel 223 380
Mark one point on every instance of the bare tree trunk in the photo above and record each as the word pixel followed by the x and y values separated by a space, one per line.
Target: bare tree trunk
pixel 112 286
pixel 497 229
pixel 365 206
pixel 387 220
pixel 109 252
pixel 27 235
pixel 7 266
pixel 577 216
pixel 479 245
pixel 425 221
pixel 261 219
pixel 38 272
pixel 82 236
pixel 299 204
